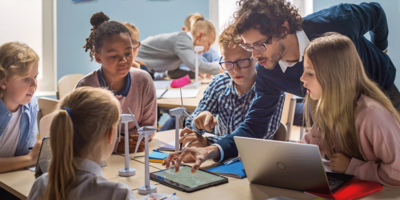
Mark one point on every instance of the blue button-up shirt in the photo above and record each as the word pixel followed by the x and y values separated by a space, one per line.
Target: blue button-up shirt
pixel 28 132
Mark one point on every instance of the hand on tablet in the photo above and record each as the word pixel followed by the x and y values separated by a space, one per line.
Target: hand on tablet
pixel 33 155
pixel 191 155
pixel 194 140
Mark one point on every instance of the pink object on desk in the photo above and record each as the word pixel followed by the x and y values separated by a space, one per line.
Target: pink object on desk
pixel 180 82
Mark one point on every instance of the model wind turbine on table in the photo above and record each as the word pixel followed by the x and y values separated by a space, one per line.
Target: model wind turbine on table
pixel 144 131
pixel 178 112
pixel 127 171
pixel 196 83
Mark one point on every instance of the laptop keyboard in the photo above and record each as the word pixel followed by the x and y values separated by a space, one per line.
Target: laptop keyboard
pixel 334 183
pixel 336 180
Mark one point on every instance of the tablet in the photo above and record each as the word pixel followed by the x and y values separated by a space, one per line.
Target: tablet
pixel 185 181
pixel 44 158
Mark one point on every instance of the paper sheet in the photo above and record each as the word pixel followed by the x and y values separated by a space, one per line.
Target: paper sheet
pixel 162 84
pixel 186 93
pixel 159 92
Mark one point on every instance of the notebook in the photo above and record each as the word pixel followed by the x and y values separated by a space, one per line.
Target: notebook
pixel 158 155
pixel 168 146
pixel 234 170
pixel 353 189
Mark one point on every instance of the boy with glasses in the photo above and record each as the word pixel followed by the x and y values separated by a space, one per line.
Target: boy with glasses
pixel 229 96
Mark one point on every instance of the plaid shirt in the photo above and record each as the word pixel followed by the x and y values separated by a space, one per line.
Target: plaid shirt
pixel 221 98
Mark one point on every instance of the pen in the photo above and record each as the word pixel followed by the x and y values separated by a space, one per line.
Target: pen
pixel 163 93
pixel 232 161
pixel 167 196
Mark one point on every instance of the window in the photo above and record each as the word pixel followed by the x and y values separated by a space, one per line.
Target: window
pixel 32 22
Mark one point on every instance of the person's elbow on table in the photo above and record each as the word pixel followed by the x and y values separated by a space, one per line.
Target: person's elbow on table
pixel 191 155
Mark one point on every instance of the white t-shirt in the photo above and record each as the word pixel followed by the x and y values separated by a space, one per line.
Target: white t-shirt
pixel 9 138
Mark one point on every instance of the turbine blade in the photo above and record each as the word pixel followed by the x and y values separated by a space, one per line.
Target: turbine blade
pixel 138 143
pixel 133 117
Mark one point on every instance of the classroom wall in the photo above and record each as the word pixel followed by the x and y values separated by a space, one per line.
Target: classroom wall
pixel 152 17
pixel 392 10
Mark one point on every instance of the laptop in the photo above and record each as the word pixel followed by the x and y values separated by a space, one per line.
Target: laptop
pixel 287 165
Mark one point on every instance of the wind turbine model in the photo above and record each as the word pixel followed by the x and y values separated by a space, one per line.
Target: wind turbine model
pixel 196 83
pixel 144 132
pixel 178 112
pixel 126 172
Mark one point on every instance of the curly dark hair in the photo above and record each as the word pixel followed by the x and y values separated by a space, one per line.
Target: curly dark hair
pixel 266 16
pixel 102 28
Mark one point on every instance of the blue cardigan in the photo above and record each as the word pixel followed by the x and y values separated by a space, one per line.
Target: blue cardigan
pixel 348 19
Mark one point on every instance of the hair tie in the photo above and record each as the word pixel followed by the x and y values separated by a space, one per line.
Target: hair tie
pixel 202 19
pixel 68 111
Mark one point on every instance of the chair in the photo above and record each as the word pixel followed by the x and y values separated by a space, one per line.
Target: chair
pixel 67 84
pixel 44 125
pixel 295 115
pixel 46 106
pixel 281 134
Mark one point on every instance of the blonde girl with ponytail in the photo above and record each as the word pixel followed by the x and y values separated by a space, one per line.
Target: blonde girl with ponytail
pixel 355 124
pixel 167 52
pixel 83 132
pixel 207 56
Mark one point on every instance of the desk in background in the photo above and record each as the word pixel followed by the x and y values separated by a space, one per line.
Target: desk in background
pixel 189 103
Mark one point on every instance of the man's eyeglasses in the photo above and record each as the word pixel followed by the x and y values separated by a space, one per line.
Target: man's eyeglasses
pixel 258 47
pixel 135 44
pixel 227 66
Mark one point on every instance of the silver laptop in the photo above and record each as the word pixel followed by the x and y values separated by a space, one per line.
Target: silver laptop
pixel 287 165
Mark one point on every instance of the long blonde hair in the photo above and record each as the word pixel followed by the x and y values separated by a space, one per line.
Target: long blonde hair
pixel 93 112
pixel 16 60
pixel 200 24
pixel 341 74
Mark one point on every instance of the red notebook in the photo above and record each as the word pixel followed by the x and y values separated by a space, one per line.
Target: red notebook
pixel 353 189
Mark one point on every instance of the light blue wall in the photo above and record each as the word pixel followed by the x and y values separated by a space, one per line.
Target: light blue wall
pixel 392 10
pixel 152 17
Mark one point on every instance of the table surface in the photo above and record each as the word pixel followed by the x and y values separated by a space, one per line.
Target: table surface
pixel 20 182
pixel 189 103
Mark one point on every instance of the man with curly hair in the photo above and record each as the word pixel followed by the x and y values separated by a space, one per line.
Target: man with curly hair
pixel 277 35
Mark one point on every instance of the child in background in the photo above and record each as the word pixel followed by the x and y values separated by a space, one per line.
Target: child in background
pixel 355 124
pixel 168 51
pixel 134 31
pixel 229 96
pixel 110 44
pixel 18 108
pixel 82 134
pixel 208 56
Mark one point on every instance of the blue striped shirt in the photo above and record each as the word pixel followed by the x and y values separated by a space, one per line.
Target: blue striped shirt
pixel 221 98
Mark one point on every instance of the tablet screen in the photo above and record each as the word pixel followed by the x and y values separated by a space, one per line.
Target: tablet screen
pixel 186 180
pixel 44 158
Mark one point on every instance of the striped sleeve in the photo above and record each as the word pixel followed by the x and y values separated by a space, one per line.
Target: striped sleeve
pixel 275 119
pixel 209 102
